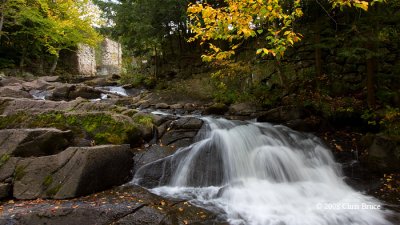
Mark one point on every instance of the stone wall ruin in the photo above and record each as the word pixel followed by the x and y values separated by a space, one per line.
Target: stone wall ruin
pixel 111 58
pixel 82 61
pixel 86 60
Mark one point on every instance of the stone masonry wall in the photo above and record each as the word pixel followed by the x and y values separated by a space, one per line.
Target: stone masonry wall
pixel 111 58
pixel 82 61
pixel 86 60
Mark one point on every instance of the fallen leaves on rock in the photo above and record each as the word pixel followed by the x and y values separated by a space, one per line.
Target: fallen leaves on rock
pixel 390 188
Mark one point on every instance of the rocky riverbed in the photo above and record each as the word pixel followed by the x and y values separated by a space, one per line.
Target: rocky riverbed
pixel 66 149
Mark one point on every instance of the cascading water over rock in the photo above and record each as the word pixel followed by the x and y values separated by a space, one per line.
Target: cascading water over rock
pixel 259 174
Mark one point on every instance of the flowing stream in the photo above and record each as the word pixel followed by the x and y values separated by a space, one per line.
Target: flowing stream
pixel 260 174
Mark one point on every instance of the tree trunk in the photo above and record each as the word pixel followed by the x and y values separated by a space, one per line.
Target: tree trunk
pixel 180 40
pixel 3 6
pixel 281 75
pixel 318 55
pixel 371 60
pixel 1 23
pixel 171 43
pixel 22 60
pixel 371 83
pixel 54 65
pixel 41 64
pixel 155 62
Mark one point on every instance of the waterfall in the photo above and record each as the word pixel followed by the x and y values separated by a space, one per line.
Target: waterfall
pixel 261 174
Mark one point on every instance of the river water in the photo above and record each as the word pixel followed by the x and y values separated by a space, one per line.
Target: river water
pixel 261 174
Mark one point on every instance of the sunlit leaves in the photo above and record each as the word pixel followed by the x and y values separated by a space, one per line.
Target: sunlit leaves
pixel 49 25
pixel 362 4
pixel 273 20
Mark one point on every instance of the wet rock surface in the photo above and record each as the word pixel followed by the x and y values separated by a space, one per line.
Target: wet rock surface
pixel 74 172
pixel 120 205
pixel 384 153
pixel 151 154
pixel 33 142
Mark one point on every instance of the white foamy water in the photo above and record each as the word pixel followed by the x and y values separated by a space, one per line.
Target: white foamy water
pixel 259 174
pixel 39 95
pixel 115 89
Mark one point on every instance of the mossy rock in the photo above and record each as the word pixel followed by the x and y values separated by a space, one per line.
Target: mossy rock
pixel 103 128
pixel 144 119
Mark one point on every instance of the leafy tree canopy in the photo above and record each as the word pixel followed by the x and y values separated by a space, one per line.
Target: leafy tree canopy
pixel 237 20
pixel 48 25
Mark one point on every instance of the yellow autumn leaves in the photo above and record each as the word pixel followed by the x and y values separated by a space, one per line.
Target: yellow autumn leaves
pixel 362 4
pixel 237 20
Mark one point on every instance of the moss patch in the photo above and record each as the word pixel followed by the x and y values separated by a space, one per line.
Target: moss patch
pixel 145 120
pixel 101 127
pixel 19 172
pixel 53 191
pixel 3 159
pixel 48 180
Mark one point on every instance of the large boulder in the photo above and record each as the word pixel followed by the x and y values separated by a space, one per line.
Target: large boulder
pixel 14 92
pixel 151 154
pixel 6 81
pixel 71 92
pixel 384 153
pixel 243 109
pixel 180 132
pixel 50 78
pixel 84 92
pixel 74 172
pixel 9 106
pixel 162 105
pixel 39 84
pixel 102 81
pixel 5 190
pixel 178 138
pixel 7 168
pixel 216 109
pixel 61 92
pixel 101 122
pixel 206 169
pixel 283 114
pixel 33 142
pixel 188 123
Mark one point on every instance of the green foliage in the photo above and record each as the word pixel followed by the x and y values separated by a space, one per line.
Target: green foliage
pixel 6 63
pixel 391 121
pixel 143 25
pixel 144 120
pixel 370 116
pixel 385 95
pixel 197 88
pixel 388 118
pixel 138 80
pixel 245 81
pixel 232 82
pixel 45 27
